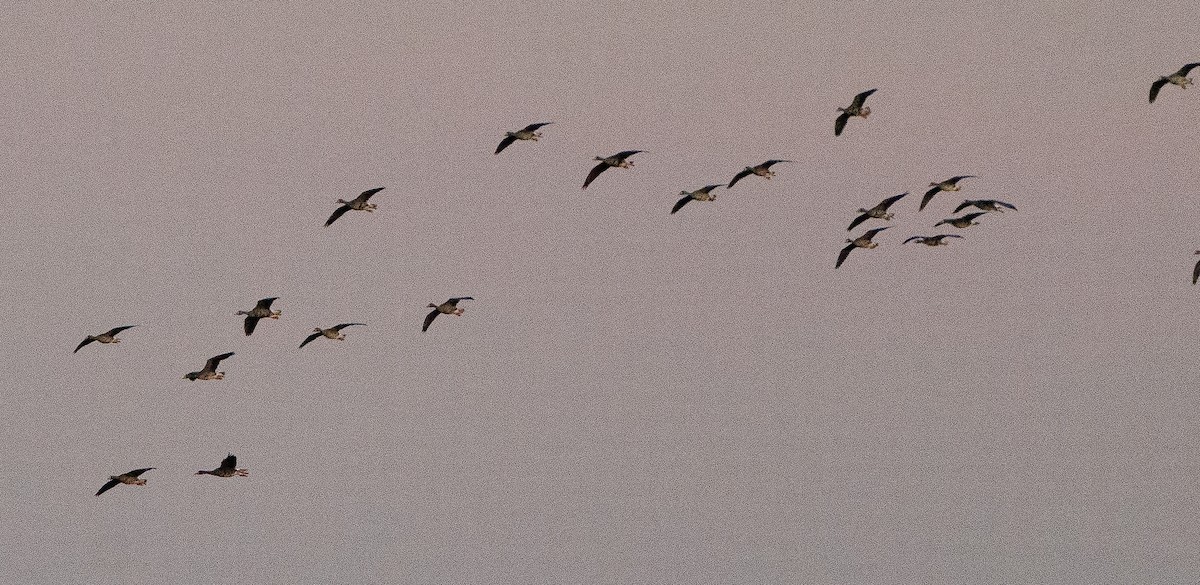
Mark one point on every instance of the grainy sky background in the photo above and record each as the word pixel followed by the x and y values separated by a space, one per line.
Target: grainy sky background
pixel 633 397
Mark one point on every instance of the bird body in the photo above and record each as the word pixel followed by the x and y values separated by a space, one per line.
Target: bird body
pixel 1179 78
pixel 986 205
pixel 109 336
pixel 209 372
pixel 856 109
pixel 261 310
pixel 619 160
pixel 880 211
pixel 702 194
pixel 950 184
pixel 931 241
pixel 334 333
pixel 961 222
pixel 527 133
pixel 357 204
pixel 228 468
pixel 863 241
pixel 128 478
pixel 450 307
pixel 762 170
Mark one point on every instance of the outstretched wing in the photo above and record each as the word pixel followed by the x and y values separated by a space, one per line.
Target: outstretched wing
pixel 310 338
pixel 250 324
pixel 972 216
pixel 871 233
pixel 886 203
pixel 504 143
pixel 955 179
pixel 429 319
pixel 339 326
pixel 709 188
pixel 858 220
pixel 745 173
pixel 211 364
pixel 679 204
pixel 265 304
pixel 535 126
pixel 1196 273
pixel 86 341
pixel 963 205
pixel 116 330
pixel 108 486
pixel 1183 71
pixel 842 255
pixel 595 172
pixel 624 154
pixel 1154 87
pixel 229 462
pixel 336 214
pixel 767 164
pixel 929 196
pixel 913 239
pixel 840 124
pixel 454 300
pixel 365 195
pixel 861 98
pixel 1008 205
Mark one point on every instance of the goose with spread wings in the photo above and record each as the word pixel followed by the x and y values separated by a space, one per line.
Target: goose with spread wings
pixel 228 468
pixel 209 372
pixel 450 307
pixel 965 221
pixel 127 478
pixel 1179 78
pixel 931 240
pixel 702 194
pixel 880 211
pixel 334 333
pixel 950 184
pixel 855 110
pixel 986 205
pixel 357 204
pixel 762 170
pixel 261 310
pixel 109 336
pixel 619 160
pixel 527 133
pixel 863 241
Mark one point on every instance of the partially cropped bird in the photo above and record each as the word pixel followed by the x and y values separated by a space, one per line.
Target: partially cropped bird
pixel 1179 78
pixel 762 170
pixel 986 205
pixel 1196 270
pixel 701 194
pixel 228 468
pixel 856 109
pixel 931 240
pixel 950 184
pixel 209 372
pixel 334 333
pixel 961 222
pixel 128 478
pixel 109 336
pixel 357 204
pixel 880 211
pixel 863 241
pixel 527 133
pixel 619 160
pixel 450 307
pixel 261 310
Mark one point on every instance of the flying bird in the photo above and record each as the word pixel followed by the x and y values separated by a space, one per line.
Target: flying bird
pixel 228 468
pixel 109 336
pixel 763 170
pixel 261 310
pixel 863 241
pixel 986 205
pixel 210 369
pixel 950 184
pixel 129 478
pixel 334 333
pixel 527 133
pixel 931 240
pixel 701 194
pixel 357 204
pixel 880 211
pixel 856 109
pixel 450 307
pixel 961 222
pixel 1196 270
pixel 616 160
pixel 1179 78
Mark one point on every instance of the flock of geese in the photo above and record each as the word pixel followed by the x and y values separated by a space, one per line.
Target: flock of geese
pixel 881 211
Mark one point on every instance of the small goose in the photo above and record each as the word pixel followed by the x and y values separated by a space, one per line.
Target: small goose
pixel 527 133
pixel 616 160
pixel 210 369
pixel 261 310
pixel 961 222
pixel 128 478
pixel 450 307
pixel 334 333
pixel 950 184
pixel 931 240
pixel 877 212
pixel 763 170
pixel 228 468
pixel 986 205
pixel 109 336
pixel 357 204
pixel 856 109
pixel 863 241
pixel 1196 270
pixel 1179 78
pixel 701 194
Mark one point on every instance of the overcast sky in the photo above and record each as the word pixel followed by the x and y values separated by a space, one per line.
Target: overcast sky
pixel 632 397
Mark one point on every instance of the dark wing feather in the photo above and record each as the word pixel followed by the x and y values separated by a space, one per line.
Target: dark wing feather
pixel 886 203
pixel 624 154
pixel 108 486
pixel 971 216
pixel 1008 205
pixel 229 462
pixel 874 232
pixel 858 220
pixel 767 164
pixel 83 343
pixel 535 126
pixel 1154 87
pixel 840 124
pixel 1196 273
pixel 963 205
pixel 310 338
pixel 595 172
pixel 955 179
pixel 940 236
pixel 265 303
pixel 250 323
pixel 679 204
pixel 336 214
pixel 138 472
pixel 842 255
pixel 504 143
pixel 429 319
pixel 211 364
pixel 116 330
pixel 745 173
pixel 861 98
pixel 1186 68
pixel 913 239
pixel 928 197
pixel 365 195
pixel 339 326
pixel 454 300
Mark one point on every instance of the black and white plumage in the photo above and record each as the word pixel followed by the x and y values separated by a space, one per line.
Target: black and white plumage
pixel 863 241
pixel 450 307
pixel 1179 78
pixel 701 194
pixel 527 133
pixel 127 478
pixel 228 468
pixel 109 336
pixel 985 205
pixel 357 204
pixel 261 310
pixel 334 333
pixel 619 160
pixel 762 170
pixel 880 211
pixel 209 372
pixel 931 240
pixel 950 184
pixel 856 109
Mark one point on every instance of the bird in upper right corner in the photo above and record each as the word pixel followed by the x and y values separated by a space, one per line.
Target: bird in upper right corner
pixel 1179 78
pixel 856 109
pixel 950 184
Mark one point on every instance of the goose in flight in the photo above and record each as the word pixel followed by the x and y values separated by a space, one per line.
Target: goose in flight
pixel 763 170
pixel 357 204
pixel 228 468
pixel 863 241
pixel 606 162
pixel 880 211
pixel 950 184
pixel 961 222
pixel 931 240
pixel 450 307
pixel 986 205
pixel 128 478
pixel 210 369
pixel 1196 270
pixel 856 109
pixel 261 310
pixel 1179 78
pixel 109 336
pixel 527 133
pixel 334 333
pixel 701 194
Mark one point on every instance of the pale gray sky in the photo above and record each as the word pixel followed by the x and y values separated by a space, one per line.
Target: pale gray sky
pixel 633 397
